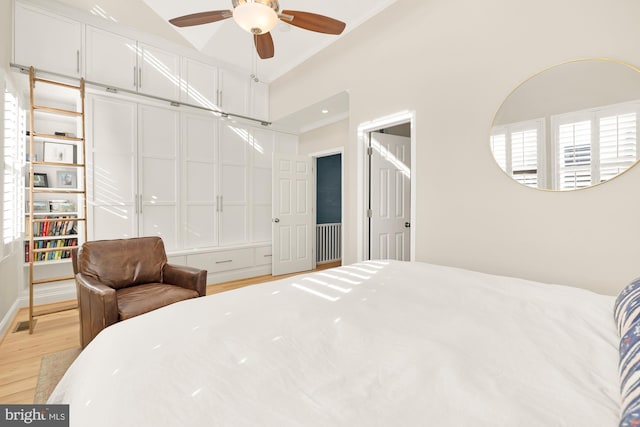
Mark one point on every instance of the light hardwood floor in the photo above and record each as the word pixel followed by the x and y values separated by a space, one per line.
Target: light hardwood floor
pixel 21 353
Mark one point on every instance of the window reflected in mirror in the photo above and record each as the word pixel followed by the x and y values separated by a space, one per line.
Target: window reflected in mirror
pixel 571 126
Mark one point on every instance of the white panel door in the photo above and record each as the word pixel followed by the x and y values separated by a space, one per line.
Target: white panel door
pixel 48 42
pixel 111 59
pixel 200 180
pixel 235 143
pixel 199 84
pixel 292 214
pixel 390 186
pixel 159 72
pixel 111 168
pixel 158 138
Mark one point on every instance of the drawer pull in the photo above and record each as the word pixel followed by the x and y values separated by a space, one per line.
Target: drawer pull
pixel 266 256
pixel 225 261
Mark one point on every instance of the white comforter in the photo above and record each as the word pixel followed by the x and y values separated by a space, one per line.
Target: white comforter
pixel 372 344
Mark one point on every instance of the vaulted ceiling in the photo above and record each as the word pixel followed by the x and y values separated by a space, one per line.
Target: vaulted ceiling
pixel 225 40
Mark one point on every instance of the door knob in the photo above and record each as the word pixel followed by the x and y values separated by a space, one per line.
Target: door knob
pixel 407 225
pixel 276 220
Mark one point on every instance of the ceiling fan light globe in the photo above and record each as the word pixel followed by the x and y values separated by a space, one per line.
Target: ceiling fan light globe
pixel 255 18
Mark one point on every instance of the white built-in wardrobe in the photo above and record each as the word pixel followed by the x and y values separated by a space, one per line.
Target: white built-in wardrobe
pixel 200 182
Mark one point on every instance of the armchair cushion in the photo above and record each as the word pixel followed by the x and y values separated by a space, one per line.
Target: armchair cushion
pixel 140 299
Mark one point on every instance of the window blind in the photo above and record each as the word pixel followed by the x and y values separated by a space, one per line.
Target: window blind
pixel 618 144
pixel 574 155
pixel 516 149
pixel 13 198
pixel 524 156
pixel 596 145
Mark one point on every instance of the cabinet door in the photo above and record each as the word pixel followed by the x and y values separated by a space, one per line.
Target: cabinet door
pixel 47 41
pixel 159 73
pixel 260 100
pixel 234 92
pixel 200 182
pixel 158 138
pixel 111 168
pixel 111 59
pixel 200 84
pixel 261 153
pixel 234 146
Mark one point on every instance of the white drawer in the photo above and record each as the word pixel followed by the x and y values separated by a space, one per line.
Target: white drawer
pixel 263 255
pixel 214 262
pixel 177 259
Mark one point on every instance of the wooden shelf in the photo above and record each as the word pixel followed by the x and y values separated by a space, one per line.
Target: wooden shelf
pixel 49 190
pixel 58 164
pixel 49 263
pixel 43 136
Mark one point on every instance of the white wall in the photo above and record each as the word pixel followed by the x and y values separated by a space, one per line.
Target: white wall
pixel 10 275
pixel 325 138
pixel 453 62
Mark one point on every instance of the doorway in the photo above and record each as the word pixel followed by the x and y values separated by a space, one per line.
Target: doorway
pixel 296 246
pixel 328 242
pixel 387 184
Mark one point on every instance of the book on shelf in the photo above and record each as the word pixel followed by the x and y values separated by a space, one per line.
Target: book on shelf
pixel 64 226
pixel 51 244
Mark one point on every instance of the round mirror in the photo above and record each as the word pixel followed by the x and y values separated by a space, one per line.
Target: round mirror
pixel 571 126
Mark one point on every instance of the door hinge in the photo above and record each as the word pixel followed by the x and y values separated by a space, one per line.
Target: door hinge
pixel 369 151
pixel 369 213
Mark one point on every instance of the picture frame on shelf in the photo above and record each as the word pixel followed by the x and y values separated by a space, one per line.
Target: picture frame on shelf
pixel 60 153
pixel 66 179
pixel 61 206
pixel 40 180
pixel 39 206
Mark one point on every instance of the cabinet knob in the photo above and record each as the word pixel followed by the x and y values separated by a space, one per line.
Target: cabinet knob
pixel 276 220
pixel 407 225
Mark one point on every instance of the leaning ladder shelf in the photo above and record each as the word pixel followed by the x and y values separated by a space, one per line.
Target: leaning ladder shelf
pixel 62 245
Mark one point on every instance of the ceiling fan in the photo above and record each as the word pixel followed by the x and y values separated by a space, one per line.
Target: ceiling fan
pixel 258 17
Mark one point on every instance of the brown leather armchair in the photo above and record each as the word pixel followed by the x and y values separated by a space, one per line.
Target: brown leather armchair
pixel 120 279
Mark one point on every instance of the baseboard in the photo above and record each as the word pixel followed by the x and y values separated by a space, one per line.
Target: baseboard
pixel 5 323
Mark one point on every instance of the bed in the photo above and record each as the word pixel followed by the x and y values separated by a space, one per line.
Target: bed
pixel 378 343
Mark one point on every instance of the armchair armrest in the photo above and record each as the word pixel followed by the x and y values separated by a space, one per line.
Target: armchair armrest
pixel 98 307
pixel 186 277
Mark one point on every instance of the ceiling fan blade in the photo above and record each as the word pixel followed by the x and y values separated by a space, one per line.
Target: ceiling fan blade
pixel 201 18
pixel 313 22
pixel 264 45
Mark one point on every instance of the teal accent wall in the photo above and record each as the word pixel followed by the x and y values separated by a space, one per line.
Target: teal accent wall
pixel 329 189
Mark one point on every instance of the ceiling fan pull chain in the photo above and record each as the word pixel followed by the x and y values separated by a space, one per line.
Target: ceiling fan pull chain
pixel 254 66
